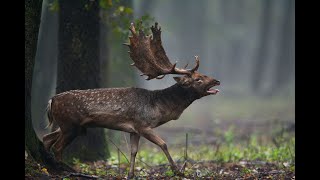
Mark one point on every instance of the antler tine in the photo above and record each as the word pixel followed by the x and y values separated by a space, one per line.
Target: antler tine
pixel 126 44
pixel 148 78
pixel 175 70
pixel 186 71
pixel 141 33
pixel 161 76
pixel 197 64
pixel 132 29
pixel 174 66
pixel 156 26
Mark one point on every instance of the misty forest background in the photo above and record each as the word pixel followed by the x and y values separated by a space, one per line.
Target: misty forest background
pixel 248 45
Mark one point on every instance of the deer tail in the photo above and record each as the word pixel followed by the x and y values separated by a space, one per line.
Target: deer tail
pixel 49 113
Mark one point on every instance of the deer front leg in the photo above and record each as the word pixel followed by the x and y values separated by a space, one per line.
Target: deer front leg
pixel 151 136
pixel 134 141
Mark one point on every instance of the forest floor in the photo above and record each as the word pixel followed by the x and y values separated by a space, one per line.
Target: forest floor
pixel 226 154
pixel 197 170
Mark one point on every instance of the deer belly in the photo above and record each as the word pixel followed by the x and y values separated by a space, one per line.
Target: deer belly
pixel 113 123
pixel 126 128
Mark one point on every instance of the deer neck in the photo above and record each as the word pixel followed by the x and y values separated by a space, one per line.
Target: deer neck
pixel 180 95
pixel 175 99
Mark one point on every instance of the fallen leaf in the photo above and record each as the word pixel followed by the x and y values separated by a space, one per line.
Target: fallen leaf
pixel 45 171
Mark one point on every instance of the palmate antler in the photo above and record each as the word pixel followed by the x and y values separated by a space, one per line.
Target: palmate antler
pixel 149 56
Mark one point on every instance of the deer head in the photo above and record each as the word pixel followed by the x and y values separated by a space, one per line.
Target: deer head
pixel 150 58
pixel 201 84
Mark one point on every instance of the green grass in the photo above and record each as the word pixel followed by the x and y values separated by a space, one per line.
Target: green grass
pixel 280 151
pixel 228 151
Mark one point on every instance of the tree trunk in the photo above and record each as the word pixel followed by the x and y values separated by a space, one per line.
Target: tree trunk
pixel 33 145
pixel 45 68
pixel 285 60
pixel 262 51
pixel 234 18
pixel 32 22
pixel 79 68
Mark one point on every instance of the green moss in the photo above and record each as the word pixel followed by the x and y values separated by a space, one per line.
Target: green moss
pixel 31 168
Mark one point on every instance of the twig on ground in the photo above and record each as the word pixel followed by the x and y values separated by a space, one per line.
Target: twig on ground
pixel 119 161
pixel 119 150
pixel 217 149
pixel 186 152
pixel 81 175
pixel 125 139
pixel 144 162
pixel 183 167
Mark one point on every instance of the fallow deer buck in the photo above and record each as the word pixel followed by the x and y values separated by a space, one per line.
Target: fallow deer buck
pixel 133 110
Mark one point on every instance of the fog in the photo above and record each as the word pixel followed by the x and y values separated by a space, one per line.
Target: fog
pixel 227 35
pixel 248 45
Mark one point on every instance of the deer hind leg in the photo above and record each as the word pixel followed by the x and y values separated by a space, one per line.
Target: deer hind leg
pixel 64 139
pixel 151 136
pixel 50 139
pixel 134 141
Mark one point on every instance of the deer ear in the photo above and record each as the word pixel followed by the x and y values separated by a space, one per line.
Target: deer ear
pixel 182 81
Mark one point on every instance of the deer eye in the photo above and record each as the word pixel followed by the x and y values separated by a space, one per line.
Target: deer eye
pixel 198 80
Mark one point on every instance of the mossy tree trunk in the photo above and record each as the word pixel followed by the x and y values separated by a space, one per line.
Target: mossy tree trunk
pixel 79 68
pixel 32 23
pixel 33 145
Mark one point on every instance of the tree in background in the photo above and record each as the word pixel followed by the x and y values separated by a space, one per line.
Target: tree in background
pixel 79 67
pixel 117 18
pixel 284 54
pixel 33 145
pixel 44 73
pixel 110 31
pixel 285 63
pixel 261 55
pixel 32 22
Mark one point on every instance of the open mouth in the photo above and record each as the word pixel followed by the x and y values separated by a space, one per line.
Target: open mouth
pixel 213 91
